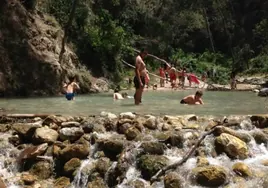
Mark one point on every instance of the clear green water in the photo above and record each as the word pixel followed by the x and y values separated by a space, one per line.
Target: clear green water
pixel 154 102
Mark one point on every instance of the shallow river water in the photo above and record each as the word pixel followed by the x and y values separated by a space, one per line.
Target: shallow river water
pixel 154 102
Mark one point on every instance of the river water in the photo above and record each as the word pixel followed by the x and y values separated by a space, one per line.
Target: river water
pixel 154 102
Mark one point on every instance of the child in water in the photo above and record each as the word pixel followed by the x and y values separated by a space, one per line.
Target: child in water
pixel 193 99
pixel 70 88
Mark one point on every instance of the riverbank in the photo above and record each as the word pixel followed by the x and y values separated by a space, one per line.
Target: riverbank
pixel 127 150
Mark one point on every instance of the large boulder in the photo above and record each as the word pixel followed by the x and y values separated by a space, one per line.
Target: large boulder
pixel 173 180
pixel 210 176
pixel 45 135
pixel 153 148
pixel 79 151
pixel 263 92
pixel 150 164
pixel 71 133
pixel 232 146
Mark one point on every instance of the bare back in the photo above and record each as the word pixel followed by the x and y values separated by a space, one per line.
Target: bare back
pixel 71 87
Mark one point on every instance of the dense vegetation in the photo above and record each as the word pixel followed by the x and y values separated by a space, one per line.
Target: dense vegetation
pixel 231 35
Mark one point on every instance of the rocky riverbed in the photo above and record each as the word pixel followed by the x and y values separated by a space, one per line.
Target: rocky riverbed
pixel 127 150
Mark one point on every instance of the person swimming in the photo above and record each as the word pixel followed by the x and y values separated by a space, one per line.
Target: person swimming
pixel 193 99
pixel 117 95
pixel 70 88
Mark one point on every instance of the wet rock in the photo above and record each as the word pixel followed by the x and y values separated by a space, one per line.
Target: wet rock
pixel 122 128
pixel 72 134
pixel 260 121
pixel 62 182
pixel 4 127
pixel 108 115
pixel 264 162
pixel 165 126
pixel 132 133
pixel 260 137
pixel 111 148
pixel 102 165
pixel 153 148
pixel 2 184
pixel 71 166
pixel 173 180
pixel 45 135
pixel 79 151
pixel 151 123
pixel 191 117
pixel 27 179
pixel 192 126
pixel 70 124
pixel 242 136
pixel 201 162
pixel 25 130
pixel 54 119
pixel 97 183
pixel 175 122
pixel 242 169
pixel 150 164
pixel 15 140
pixel 127 115
pixel 42 169
pixel 110 125
pixel 232 146
pixel 137 184
pixel 211 175
pixel 32 152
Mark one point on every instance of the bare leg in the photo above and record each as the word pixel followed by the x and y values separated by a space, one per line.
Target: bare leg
pixel 137 96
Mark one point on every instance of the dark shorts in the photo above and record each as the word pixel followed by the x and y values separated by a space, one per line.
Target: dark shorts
pixel 137 83
pixel 183 102
pixel 69 96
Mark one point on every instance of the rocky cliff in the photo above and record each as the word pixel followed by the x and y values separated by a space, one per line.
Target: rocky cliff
pixel 30 43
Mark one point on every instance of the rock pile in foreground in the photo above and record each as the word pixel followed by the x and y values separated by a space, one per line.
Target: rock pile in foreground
pixel 52 149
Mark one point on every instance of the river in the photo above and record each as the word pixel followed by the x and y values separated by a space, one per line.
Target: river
pixel 154 102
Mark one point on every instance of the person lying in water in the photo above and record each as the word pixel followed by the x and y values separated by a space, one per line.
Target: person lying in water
pixel 118 96
pixel 70 88
pixel 193 99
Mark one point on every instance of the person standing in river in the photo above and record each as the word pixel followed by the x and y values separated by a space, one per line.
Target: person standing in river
pixel 70 88
pixel 140 74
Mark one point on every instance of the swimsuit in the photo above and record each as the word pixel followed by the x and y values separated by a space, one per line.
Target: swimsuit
pixel 69 96
pixel 137 83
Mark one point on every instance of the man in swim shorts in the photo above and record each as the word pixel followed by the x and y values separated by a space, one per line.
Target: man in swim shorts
pixel 70 88
pixel 140 74
pixel 193 99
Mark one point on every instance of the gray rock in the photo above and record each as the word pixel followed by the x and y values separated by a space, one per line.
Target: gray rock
pixel 127 115
pixel 45 135
pixel 72 134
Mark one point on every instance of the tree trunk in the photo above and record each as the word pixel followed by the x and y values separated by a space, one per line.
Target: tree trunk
pixel 66 30
pixel 208 29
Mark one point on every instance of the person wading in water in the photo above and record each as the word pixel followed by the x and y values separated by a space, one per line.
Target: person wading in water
pixel 140 74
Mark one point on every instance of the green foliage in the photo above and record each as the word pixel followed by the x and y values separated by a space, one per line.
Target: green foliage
pixel 181 32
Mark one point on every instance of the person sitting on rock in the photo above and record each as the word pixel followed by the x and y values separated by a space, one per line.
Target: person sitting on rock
pixel 70 88
pixel 193 99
